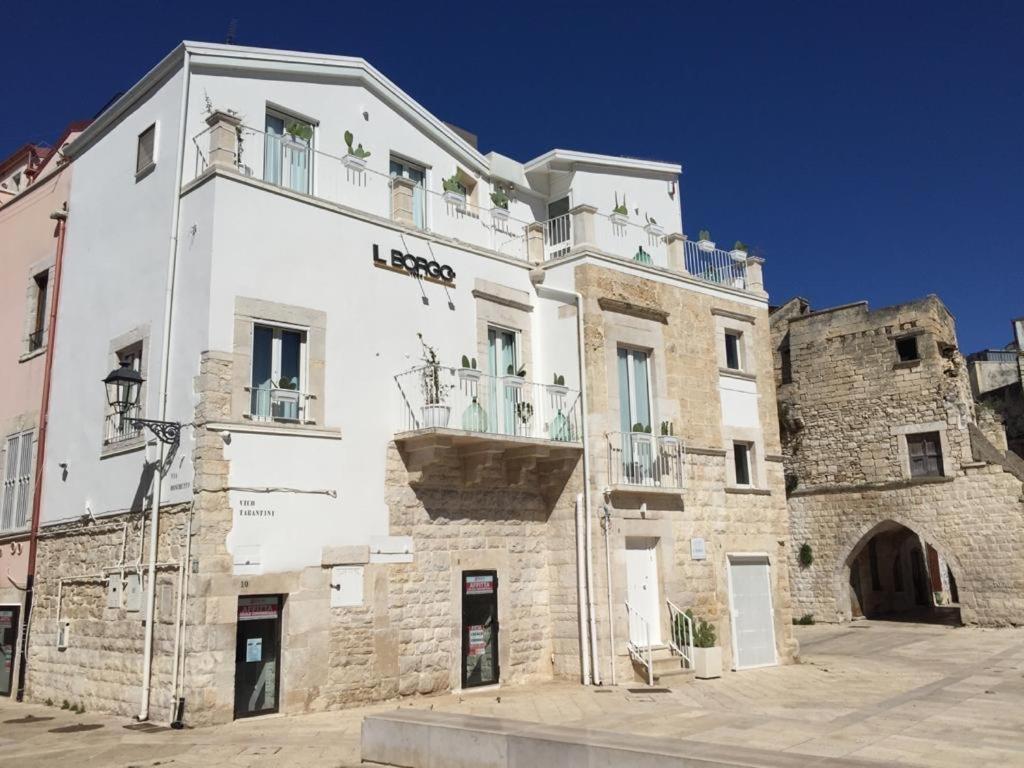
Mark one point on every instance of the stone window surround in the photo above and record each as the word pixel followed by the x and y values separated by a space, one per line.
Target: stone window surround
pixel 623 330
pixel 733 322
pixel 503 307
pixel 758 472
pixel 250 312
pixel 904 452
pixel 31 299
pixel 139 335
pixel 919 334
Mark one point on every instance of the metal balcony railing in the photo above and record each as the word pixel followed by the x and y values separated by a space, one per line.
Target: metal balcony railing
pixel 639 641
pixel 119 429
pixel 435 396
pixel 645 460
pixel 277 404
pixel 36 339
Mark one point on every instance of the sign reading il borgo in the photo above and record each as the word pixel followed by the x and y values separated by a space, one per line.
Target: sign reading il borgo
pixel 415 265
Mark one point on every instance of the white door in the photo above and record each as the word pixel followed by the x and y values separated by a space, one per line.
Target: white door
pixel 642 592
pixel 753 618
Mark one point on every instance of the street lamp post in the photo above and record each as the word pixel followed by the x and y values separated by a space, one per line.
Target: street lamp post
pixel 124 384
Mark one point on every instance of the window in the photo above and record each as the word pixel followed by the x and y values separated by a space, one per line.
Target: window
pixel 14 501
pixel 145 156
pixel 417 175
pixel 558 228
pixel 288 152
pixel 741 458
pixel 119 427
pixel 634 390
pixel 40 289
pixel 278 365
pixel 787 365
pixel 925 449
pixel 906 348
pixel 733 353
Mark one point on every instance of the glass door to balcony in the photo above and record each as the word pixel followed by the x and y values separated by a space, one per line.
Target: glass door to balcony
pixel 418 176
pixel 276 374
pixel 287 157
pixel 503 366
pixel 638 448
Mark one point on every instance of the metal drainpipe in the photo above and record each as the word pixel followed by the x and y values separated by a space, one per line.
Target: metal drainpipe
pixel 61 217
pixel 165 358
pixel 537 276
pixel 607 518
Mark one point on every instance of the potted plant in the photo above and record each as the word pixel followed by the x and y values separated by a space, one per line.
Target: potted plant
pixel 620 213
pixel 468 371
pixel 355 157
pixel 641 429
pixel 558 388
pixel 738 252
pixel 705 242
pixel 643 256
pixel 300 132
pixel 474 418
pixel 707 657
pixel 524 412
pixel 500 200
pixel 434 411
pixel 653 228
pixel 667 436
pixel 454 192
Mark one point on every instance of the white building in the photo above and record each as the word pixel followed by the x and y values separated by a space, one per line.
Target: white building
pixel 340 522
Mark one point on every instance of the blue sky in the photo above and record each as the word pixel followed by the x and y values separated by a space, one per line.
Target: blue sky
pixel 870 150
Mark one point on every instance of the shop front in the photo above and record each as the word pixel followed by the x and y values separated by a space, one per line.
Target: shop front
pixel 258 655
pixel 479 628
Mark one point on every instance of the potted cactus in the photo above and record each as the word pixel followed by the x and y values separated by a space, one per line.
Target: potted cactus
pixel 653 228
pixel 668 439
pixel 705 243
pixel 468 371
pixel 355 157
pixel 739 251
pixel 454 192
pixel 558 388
pixel 707 656
pixel 620 213
pixel 301 132
pixel 500 200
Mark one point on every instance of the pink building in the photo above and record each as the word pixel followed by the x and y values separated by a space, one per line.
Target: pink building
pixel 34 184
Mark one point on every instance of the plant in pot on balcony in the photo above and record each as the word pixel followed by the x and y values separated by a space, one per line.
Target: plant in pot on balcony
pixel 653 228
pixel 524 412
pixel 355 157
pixel 434 411
pixel 739 251
pixel 620 213
pixel 705 243
pixel 667 436
pixel 500 200
pixel 468 371
pixel 302 132
pixel 707 657
pixel 454 191
pixel 558 388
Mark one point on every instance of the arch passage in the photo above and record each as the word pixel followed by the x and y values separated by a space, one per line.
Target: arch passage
pixel 895 573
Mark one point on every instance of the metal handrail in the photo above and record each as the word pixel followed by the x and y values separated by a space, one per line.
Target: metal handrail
pixel 681 641
pixel 643 459
pixel 643 655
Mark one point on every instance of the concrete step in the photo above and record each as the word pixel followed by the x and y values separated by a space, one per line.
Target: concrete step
pixel 679 675
pixel 666 664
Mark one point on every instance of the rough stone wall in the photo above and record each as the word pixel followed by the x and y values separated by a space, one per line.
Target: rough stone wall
pixel 840 417
pixel 101 668
pixel 1008 403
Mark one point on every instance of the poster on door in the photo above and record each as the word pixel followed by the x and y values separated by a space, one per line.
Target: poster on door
pixel 253 608
pixel 477 640
pixel 480 585
pixel 254 649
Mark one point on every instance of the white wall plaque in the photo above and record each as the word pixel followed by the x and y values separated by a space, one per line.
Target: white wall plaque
pixel 698 549
pixel 346 585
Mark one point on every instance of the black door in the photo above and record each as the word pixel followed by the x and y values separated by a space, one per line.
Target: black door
pixel 257 655
pixel 8 641
pixel 479 628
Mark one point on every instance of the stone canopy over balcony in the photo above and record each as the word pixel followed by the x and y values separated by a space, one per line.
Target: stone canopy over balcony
pixel 460 426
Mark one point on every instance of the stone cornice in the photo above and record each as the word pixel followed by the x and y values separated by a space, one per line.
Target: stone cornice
pixel 635 310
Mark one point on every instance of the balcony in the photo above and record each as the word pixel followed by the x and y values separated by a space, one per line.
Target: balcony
pixel 463 218
pixel 642 462
pixel 483 423
pixel 270 404
pixel 119 430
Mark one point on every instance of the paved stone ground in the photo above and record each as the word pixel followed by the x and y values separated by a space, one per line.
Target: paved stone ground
pixel 894 694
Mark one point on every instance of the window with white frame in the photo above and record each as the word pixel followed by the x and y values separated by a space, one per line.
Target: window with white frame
pixel 145 154
pixel 288 151
pixel 119 426
pixel 741 454
pixel 17 486
pixel 278 374
pixel 734 350
pixel 634 390
pixel 418 175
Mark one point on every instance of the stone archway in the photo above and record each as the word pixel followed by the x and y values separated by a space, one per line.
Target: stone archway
pixel 893 568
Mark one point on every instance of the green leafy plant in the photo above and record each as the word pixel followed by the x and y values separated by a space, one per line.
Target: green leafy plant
pixel 358 151
pixel 642 428
pixel 511 371
pixel 469 362
pixel 524 411
pixel 559 380
pixel 65 704
pixel 806 620
pixel 620 208
pixel 704 633
pixel 287 383
pixel 666 429
pixel 643 256
pixel 499 198
pixel 806 555
pixel 434 391
pixel 300 131
pixel 704 235
pixel 452 184
pixel 739 245
pixel 49 702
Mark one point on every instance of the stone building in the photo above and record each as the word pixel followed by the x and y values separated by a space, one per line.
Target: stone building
pixel 902 496
pixel 997 380
pixel 446 419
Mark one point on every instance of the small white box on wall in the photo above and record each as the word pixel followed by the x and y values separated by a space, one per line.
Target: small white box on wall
pixel 346 585
pixel 132 592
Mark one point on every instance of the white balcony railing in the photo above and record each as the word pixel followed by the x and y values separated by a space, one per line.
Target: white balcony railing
pixel 471 401
pixel 714 265
pixel 645 460
pixel 276 404
pixel 557 236
pixel 639 641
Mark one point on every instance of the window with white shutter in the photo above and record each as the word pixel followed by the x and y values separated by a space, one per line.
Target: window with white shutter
pixel 17 487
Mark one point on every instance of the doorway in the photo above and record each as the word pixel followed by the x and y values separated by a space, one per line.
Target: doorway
pixel 8 645
pixel 753 617
pixel 479 628
pixel 642 591
pixel 257 655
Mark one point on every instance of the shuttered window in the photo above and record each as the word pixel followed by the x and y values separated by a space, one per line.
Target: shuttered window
pixel 14 502
pixel 925 454
pixel 145 156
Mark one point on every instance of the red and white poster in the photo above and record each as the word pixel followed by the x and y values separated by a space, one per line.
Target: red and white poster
pixel 252 608
pixel 479 585
pixel 477 641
